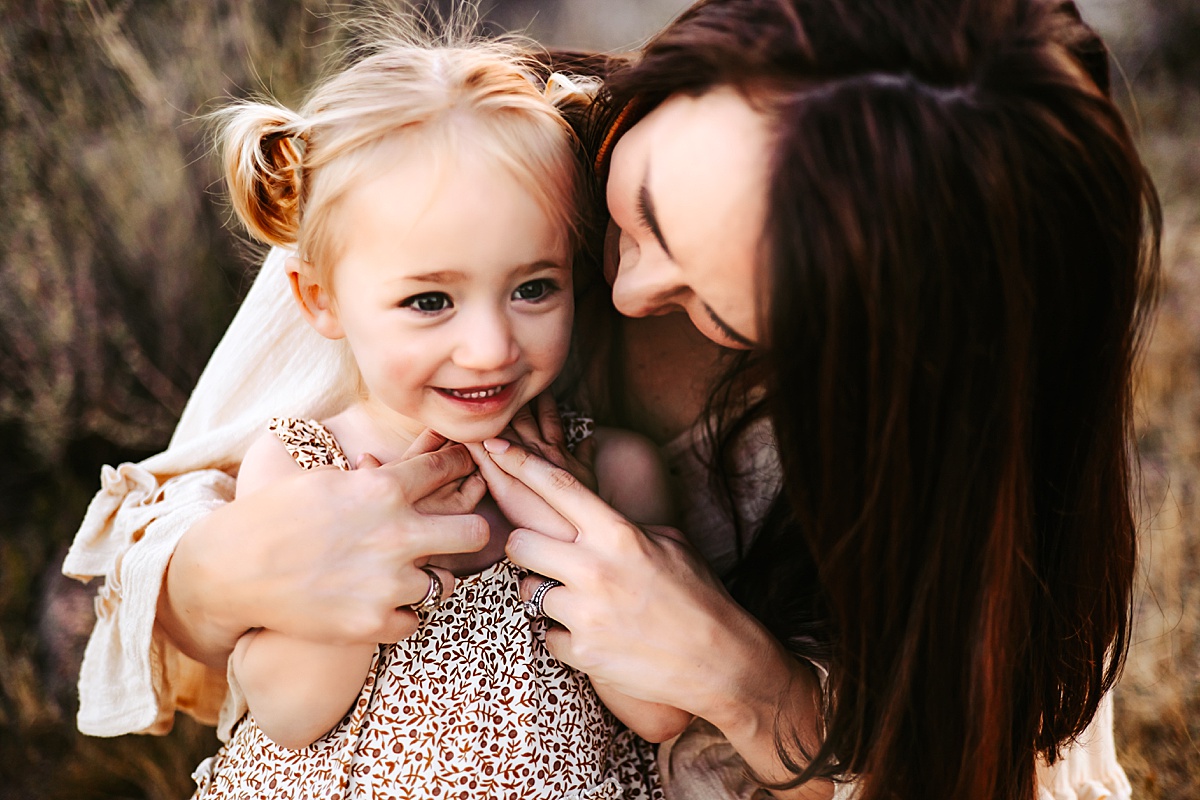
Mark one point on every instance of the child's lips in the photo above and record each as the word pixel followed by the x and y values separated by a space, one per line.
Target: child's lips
pixel 480 399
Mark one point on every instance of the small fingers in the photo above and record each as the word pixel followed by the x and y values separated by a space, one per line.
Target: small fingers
pixel 437 535
pixel 367 461
pixel 547 556
pixel 471 491
pixel 549 420
pixel 398 626
pixel 557 486
pixel 520 504
pixel 525 425
pixel 428 442
pixel 423 474
pixel 454 498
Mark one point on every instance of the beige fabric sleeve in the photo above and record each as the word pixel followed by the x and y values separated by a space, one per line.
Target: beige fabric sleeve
pixel 1088 770
pixel 269 363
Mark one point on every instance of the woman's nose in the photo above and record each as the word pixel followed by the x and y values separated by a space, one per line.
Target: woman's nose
pixel 647 283
pixel 486 342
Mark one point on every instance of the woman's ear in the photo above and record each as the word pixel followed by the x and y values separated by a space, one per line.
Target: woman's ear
pixel 314 298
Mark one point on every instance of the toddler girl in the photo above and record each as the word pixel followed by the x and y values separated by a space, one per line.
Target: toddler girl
pixel 430 196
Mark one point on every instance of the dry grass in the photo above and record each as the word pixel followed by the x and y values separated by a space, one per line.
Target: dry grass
pixel 116 278
pixel 1158 700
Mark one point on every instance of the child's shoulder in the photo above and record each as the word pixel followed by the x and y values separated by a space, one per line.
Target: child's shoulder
pixel 632 476
pixel 286 445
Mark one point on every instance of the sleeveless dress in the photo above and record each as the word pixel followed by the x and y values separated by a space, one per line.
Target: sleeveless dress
pixel 471 706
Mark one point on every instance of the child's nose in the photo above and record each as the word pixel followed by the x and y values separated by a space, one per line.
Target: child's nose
pixel 486 343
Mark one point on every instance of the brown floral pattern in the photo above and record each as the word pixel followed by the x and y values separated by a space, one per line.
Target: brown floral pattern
pixel 471 706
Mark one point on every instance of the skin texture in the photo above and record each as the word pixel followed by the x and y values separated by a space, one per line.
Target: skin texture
pixel 666 211
pixel 641 612
pixel 464 287
pixel 467 289
pixel 645 615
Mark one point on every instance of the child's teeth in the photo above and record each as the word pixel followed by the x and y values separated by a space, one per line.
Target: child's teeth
pixel 495 390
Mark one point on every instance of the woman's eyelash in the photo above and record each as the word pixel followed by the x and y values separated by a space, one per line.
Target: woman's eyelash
pixel 643 212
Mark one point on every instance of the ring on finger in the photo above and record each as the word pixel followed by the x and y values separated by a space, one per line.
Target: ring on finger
pixel 533 606
pixel 433 596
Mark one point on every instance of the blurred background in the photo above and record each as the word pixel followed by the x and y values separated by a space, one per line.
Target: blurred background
pixel 119 269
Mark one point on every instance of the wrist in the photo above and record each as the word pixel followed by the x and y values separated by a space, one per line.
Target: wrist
pixel 754 672
pixel 765 697
pixel 199 604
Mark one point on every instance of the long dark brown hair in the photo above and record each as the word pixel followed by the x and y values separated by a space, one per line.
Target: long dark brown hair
pixel 961 254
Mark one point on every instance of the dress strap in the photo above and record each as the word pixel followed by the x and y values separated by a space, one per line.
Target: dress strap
pixel 576 427
pixel 309 442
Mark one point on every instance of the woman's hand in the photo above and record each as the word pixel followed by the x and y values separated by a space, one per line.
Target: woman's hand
pixel 635 603
pixel 538 428
pixel 327 555
pixel 640 612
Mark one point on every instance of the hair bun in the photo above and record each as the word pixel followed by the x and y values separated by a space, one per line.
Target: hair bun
pixel 263 154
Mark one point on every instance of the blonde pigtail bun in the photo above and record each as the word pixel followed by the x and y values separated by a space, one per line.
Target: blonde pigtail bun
pixel 263 149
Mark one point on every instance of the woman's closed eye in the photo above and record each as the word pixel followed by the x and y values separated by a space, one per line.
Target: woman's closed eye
pixel 428 302
pixel 535 291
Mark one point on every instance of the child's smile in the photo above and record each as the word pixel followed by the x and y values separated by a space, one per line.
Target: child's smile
pixel 456 302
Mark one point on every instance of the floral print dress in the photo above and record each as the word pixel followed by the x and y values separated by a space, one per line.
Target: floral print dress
pixel 472 705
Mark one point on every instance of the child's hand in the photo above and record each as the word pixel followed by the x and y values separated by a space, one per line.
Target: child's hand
pixel 538 428
pixel 456 497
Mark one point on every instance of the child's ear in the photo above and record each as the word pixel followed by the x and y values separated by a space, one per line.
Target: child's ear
pixel 315 301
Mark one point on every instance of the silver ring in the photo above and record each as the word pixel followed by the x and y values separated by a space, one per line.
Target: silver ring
pixel 433 597
pixel 533 606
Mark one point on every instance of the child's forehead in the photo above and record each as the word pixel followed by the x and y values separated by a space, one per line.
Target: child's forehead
pixel 455 226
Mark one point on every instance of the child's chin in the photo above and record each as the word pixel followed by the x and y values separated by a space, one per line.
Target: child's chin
pixel 469 434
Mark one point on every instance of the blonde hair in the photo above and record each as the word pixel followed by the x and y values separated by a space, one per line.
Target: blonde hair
pixel 286 170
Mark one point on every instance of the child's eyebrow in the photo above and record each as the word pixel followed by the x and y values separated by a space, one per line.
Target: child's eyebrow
pixel 455 276
pixel 537 266
pixel 441 276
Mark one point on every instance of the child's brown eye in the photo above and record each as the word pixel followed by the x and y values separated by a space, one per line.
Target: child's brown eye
pixel 428 303
pixel 534 290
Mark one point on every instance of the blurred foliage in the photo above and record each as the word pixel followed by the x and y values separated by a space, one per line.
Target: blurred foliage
pixel 1175 39
pixel 116 281
pixel 118 273
pixel 105 177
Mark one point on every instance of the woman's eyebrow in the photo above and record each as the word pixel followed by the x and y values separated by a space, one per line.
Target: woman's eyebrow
pixel 725 329
pixel 646 211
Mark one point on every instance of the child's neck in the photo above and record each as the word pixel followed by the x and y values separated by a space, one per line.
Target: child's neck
pixel 368 426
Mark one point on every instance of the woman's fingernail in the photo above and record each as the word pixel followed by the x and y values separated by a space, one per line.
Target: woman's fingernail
pixel 495 445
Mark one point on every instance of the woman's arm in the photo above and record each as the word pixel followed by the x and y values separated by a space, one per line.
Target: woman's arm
pixel 327 555
pixel 632 478
pixel 296 689
pixel 644 616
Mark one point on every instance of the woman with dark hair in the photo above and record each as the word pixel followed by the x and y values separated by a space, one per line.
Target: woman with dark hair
pixel 916 250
